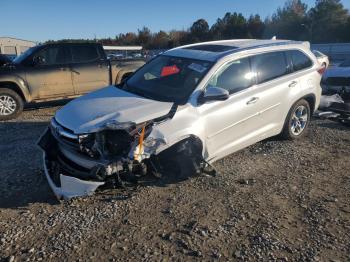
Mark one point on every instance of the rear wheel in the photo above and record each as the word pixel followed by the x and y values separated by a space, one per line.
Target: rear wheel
pixel 297 120
pixel 11 104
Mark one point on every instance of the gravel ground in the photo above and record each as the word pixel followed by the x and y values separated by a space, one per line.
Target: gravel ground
pixel 276 200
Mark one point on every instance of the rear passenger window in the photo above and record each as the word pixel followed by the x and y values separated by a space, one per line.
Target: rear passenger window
pixel 299 60
pixel 234 77
pixel 84 53
pixel 269 66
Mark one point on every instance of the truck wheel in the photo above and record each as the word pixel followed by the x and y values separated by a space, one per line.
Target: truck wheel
pixel 297 120
pixel 11 104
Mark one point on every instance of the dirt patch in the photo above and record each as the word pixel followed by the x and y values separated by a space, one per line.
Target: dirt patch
pixel 276 200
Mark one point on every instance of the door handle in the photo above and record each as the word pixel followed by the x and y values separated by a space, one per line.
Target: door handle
pixel 253 100
pixel 293 84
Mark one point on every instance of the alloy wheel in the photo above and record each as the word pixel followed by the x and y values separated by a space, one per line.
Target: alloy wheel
pixel 8 105
pixel 299 120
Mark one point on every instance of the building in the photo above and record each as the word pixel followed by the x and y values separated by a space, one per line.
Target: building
pixel 13 46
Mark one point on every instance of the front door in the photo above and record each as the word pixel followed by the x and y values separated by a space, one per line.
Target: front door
pixel 49 75
pixel 90 70
pixel 230 124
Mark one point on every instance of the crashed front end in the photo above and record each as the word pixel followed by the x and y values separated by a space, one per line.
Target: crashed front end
pixel 76 165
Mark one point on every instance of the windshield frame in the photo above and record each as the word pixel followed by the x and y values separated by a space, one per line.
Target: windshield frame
pixel 24 56
pixel 153 96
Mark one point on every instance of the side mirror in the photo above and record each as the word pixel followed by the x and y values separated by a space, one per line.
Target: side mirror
pixel 214 93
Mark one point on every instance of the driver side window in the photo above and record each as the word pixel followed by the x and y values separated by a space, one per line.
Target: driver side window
pixel 234 77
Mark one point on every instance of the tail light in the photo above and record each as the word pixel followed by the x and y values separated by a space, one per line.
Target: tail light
pixel 322 70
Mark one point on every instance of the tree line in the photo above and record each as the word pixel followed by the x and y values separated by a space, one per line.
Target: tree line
pixel 328 21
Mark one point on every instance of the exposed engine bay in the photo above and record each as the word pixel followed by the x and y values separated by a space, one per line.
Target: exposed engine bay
pixel 118 153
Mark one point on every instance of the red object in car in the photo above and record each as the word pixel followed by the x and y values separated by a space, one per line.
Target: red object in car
pixel 169 70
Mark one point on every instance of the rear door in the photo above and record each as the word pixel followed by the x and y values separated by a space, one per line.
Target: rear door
pixel 275 87
pixel 90 69
pixel 300 63
pixel 50 75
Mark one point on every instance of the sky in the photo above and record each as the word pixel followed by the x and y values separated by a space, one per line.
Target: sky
pixel 41 20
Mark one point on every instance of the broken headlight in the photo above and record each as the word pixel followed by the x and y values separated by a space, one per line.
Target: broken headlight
pixel 86 144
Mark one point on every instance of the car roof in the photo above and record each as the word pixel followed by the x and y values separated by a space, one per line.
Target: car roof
pixel 67 43
pixel 214 50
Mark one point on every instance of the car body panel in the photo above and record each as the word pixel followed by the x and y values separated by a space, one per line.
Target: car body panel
pixel 49 81
pixel 17 77
pixel 70 186
pixel 111 104
pixel 89 77
pixel 321 58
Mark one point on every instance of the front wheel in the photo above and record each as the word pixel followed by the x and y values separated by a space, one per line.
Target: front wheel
pixel 297 120
pixel 11 104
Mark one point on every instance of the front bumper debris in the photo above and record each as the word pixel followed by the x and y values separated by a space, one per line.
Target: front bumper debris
pixel 70 186
pixel 72 173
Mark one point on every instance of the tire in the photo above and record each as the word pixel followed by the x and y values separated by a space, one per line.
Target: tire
pixel 297 121
pixel 11 104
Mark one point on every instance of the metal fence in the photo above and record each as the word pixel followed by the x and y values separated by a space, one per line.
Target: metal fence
pixel 336 52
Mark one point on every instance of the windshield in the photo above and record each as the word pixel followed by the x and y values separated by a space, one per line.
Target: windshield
pixel 167 78
pixel 23 56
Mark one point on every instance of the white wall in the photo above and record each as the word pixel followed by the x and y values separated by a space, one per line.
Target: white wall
pixel 13 46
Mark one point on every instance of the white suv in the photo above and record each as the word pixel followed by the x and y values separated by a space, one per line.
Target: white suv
pixel 183 110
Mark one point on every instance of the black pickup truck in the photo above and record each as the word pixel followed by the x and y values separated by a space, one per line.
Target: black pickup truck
pixel 58 71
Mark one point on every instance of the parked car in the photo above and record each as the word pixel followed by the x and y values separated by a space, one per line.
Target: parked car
pixel 4 60
pixel 321 58
pixel 336 80
pixel 56 71
pixel 183 110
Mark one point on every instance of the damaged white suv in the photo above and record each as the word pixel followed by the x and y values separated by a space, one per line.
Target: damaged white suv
pixel 190 106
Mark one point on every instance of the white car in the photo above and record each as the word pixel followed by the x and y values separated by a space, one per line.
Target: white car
pixel 183 110
pixel 321 58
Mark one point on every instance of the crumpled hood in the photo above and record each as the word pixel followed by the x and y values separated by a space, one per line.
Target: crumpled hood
pixel 89 113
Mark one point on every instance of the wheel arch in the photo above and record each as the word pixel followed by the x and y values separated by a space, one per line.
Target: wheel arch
pixel 193 141
pixel 122 74
pixel 22 92
pixel 311 99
